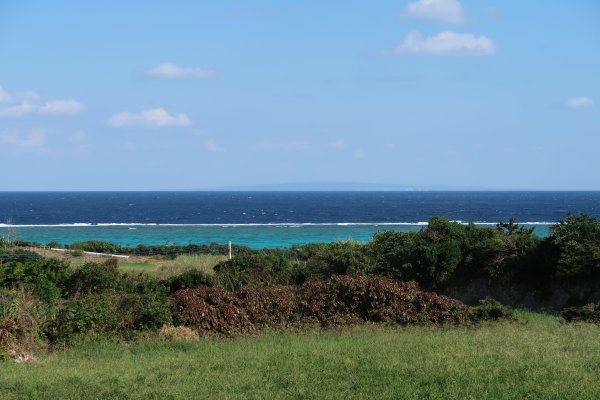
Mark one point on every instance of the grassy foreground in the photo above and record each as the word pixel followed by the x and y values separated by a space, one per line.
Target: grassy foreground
pixel 536 358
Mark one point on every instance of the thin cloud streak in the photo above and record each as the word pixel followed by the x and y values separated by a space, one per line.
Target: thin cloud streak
pixel 156 117
pixel 448 11
pixel 445 43
pixel 172 71
pixel 579 102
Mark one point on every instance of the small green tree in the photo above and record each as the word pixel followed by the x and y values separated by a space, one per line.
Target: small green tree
pixel 512 228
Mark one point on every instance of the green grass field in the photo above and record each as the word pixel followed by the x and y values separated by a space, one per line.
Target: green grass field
pixel 166 268
pixel 160 267
pixel 535 358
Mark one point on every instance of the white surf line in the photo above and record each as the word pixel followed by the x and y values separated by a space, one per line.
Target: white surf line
pixel 93 253
pixel 271 224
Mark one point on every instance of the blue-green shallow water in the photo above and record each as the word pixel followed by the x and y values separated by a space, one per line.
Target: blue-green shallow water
pixel 253 236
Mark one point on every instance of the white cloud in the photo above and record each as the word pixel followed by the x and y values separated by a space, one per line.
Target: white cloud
pixel 446 43
pixel 212 145
pixel 18 110
pixel 449 11
pixel 172 71
pixel 155 117
pixel 338 144
pixel 36 138
pixel 62 107
pixel 20 104
pixel 579 102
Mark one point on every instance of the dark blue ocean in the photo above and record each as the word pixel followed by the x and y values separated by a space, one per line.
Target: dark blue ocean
pixel 268 219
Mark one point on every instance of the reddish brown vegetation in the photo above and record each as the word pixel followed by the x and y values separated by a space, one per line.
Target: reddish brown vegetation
pixel 341 300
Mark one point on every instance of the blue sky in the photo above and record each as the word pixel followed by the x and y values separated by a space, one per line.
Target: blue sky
pixel 119 95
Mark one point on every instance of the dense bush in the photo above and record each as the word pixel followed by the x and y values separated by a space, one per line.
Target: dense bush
pixel 93 278
pixel 295 265
pixel 340 300
pixel 17 255
pixel 260 267
pixel 190 279
pixel 490 309
pixel 338 258
pixel 153 310
pixel 588 313
pixel 101 300
pixel 272 260
pixel 447 251
pixel 106 313
pixel 111 312
pixel 44 277
pixel 430 256
pixel 98 246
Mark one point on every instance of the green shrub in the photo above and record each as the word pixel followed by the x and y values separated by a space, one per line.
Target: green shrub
pixel 77 253
pixel 98 246
pixel 173 250
pixel 129 303
pixel 445 252
pixel 266 266
pixel 190 279
pixel 91 313
pixel 153 307
pixel 339 258
pixel 44 277
pixel 93 278
pixel 490 309
pixel 8 254
pixel 429 257
pixel 110 313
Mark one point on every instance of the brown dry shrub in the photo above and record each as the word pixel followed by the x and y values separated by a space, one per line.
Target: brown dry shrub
pixel 21 320
pixel 178 333
pixel 338 301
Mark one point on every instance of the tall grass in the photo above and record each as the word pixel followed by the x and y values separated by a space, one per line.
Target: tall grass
pixel 535 358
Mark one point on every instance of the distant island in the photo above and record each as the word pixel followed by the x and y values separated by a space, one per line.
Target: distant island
pixel 345 186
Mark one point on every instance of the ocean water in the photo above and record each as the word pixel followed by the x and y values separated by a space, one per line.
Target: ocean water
pixel 268 219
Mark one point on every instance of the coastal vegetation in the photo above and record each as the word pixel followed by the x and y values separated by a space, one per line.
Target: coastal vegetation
pixel 464 280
